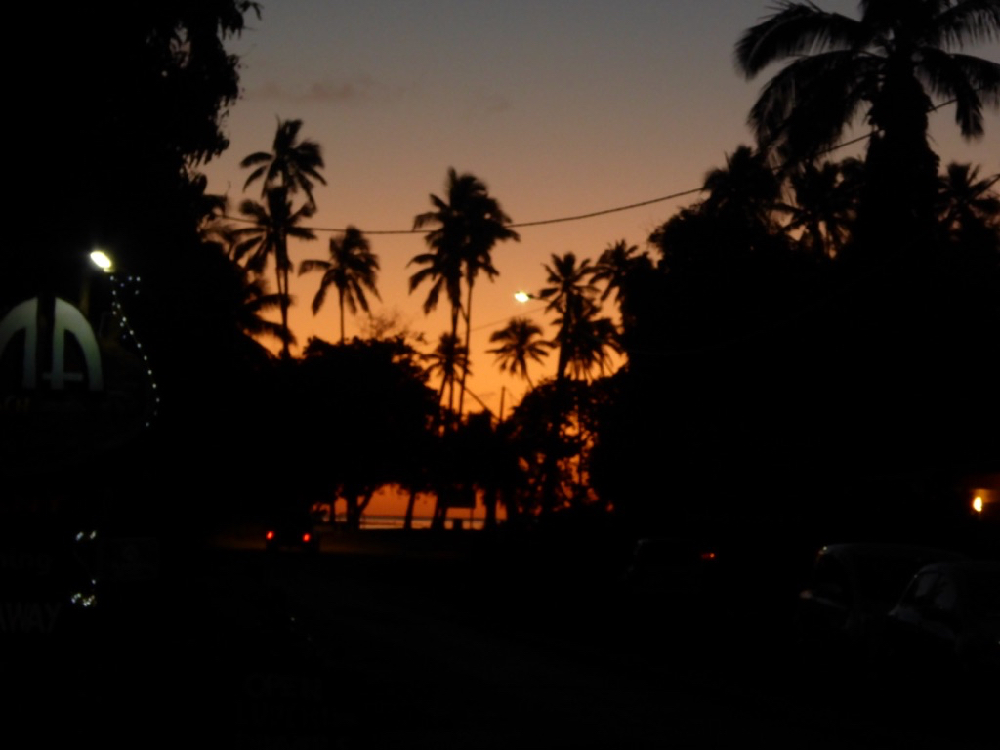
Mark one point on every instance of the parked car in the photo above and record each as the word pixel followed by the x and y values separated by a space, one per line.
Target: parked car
pixel 948 621
pixel 852 589
pixel 291 534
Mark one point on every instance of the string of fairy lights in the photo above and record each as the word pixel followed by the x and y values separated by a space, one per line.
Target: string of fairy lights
pixel 122 285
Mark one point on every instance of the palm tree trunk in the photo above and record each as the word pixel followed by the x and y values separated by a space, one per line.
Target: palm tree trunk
pixel 490 504
pixel 408 519
pixel 468 339
pixel 340 294
pixel 281 270
pixel 451 380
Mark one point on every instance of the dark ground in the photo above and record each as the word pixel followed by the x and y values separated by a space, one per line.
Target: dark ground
pixel 424 641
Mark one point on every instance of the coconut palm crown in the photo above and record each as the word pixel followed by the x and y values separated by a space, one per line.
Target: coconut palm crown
pixel 351 269
pixel 517 342
pixel 291 163
pixel 888 63
pixel 465 228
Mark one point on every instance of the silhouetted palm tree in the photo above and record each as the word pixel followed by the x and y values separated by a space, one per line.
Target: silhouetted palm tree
pixel 466 227
pixel 585 340
pixel 273 224
pixel 886 65
pixel 352 268
pixel 255 300
pixel 571 295
pixel 569 281
pixel 616 262
pixel 447 361
pixel 519 341
pixel 967 201
pixel 743 193
pixel 291 164
pixel 969 220
pixel 825 206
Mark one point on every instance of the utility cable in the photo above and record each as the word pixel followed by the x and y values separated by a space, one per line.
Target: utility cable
pixel 592 214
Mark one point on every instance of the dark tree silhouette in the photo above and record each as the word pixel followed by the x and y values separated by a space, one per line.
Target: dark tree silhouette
pixel 255 301
pixel 376 394
pixel 885 65
pixel 267 240
pixel 351 269
pixel 585 340
pixel 966 202
pixel 466 226
pixel 147 89
pixel 290 164
pixel 448 360
pixel 825 206
pixel 517 342
pixel 571 294
pixel 744 195
pixel 618 260
pixel 969 226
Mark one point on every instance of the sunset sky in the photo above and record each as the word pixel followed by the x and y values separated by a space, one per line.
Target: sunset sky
pixel 562 107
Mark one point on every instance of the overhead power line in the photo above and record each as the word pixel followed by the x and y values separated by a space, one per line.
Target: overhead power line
pixel 560 220
pixel 519 225
pixel 592 214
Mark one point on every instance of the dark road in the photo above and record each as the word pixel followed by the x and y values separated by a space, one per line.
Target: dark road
pixel 401 646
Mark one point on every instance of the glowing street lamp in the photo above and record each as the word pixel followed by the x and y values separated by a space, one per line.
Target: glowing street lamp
pixel 102 260
pixel 523 297
pixel 977 504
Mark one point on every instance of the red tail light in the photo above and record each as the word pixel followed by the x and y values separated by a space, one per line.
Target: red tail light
pixel 306 537
pixel 270 535
pixel 707 555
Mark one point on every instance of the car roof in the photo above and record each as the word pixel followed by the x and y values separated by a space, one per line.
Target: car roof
pixel 961 567
pixel 890 550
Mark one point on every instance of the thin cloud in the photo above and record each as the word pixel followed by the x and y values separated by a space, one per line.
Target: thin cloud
pixel 490 104
pixel 343 92
pixel 497 104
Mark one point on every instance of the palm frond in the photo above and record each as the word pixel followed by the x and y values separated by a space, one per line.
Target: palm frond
pixel 795 29
pixel 967 21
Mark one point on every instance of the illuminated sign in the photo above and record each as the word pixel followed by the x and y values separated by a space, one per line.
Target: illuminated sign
pixel 67 320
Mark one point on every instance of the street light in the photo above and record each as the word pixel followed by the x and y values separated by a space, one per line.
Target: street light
pixel 101 260
pixel 523 296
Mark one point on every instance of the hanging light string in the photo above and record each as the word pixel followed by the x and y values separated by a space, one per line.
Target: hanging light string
pixel 120 287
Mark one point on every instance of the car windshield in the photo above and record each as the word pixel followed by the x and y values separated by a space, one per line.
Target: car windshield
pixel 881 579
